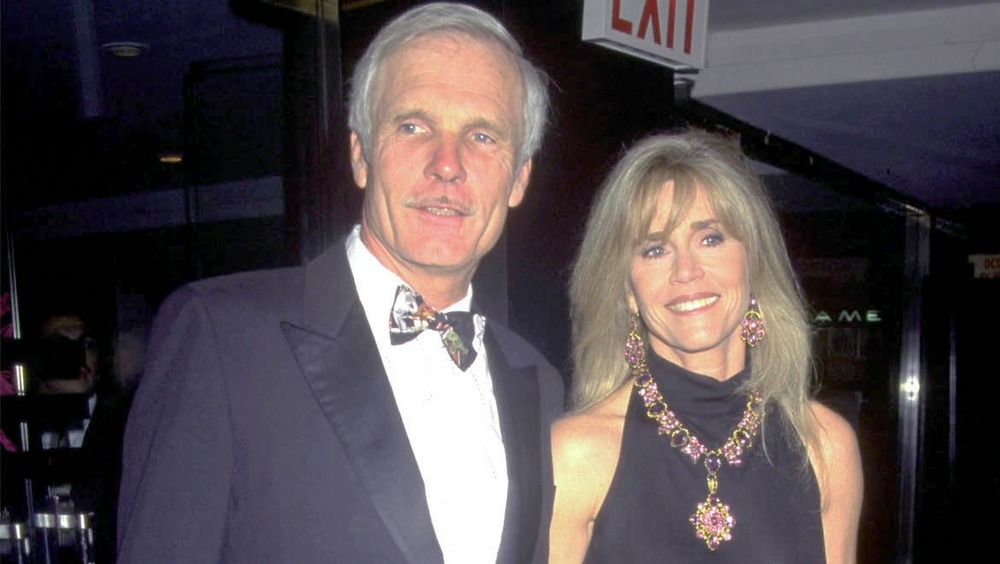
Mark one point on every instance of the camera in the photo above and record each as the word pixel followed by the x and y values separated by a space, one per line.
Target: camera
pixel 54 357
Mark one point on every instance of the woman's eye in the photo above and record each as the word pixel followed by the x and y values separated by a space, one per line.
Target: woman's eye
pixel 714 239
pixel 654 251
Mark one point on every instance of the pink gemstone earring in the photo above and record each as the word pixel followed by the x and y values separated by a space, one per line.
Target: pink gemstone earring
pixel 634 347
pixel 752 330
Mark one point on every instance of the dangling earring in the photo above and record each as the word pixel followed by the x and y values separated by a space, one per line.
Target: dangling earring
pixel 634 347
pixel 752 330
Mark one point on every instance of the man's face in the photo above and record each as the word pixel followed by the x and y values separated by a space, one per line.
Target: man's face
pixel 74 329
pixel 440 173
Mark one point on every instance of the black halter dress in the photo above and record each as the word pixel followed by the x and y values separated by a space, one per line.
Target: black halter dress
pixel 774 498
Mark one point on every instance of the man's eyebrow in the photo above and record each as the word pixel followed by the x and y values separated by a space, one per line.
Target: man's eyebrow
pixel 406 115
pixel 501 133
pixel 496 129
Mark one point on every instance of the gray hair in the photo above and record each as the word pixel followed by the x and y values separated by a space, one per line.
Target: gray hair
pixel 621 217
pixel 444 18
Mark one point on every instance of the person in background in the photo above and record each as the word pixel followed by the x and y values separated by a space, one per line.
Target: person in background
pixel 8 386
pixel 692 435
pixel 67 364
pixel 95 486
pixel 358 409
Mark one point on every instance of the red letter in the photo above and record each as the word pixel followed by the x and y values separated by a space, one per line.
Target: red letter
pixel 650 11
pixel 689 27
pixel 671 17
pixel 617 23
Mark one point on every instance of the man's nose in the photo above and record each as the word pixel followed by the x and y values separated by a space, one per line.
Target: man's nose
pixel 446 161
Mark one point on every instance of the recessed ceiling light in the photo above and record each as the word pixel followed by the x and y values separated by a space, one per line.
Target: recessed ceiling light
pixel 171 157
pixel 125 49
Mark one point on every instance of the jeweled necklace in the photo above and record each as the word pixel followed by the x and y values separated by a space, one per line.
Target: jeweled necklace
pixel 713 521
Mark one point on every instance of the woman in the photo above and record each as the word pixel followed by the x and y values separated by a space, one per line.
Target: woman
pixel 691 435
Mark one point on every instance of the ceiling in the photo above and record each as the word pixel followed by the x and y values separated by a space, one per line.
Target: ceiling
pixel 905 92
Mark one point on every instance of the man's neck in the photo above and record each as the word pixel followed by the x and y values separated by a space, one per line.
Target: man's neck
pixel 438 292
pixel 439 287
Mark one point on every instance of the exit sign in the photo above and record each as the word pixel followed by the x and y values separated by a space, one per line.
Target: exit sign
pixel 667 32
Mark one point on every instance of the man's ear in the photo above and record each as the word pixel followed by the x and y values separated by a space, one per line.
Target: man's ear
pixel 520 184
pixel 359 166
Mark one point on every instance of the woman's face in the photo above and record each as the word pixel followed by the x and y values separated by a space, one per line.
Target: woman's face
pixel 692 288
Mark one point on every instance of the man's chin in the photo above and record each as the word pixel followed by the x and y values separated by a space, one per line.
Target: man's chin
pixel 444 260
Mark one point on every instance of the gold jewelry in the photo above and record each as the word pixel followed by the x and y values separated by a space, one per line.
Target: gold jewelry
pixel 752 327
pixel 713 521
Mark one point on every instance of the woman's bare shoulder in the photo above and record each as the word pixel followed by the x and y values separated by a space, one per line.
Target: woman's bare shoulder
pixel 836 434
pixel 595 427
pixel 585 444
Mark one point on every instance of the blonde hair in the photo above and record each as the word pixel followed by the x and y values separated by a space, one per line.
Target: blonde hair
pixel 620 218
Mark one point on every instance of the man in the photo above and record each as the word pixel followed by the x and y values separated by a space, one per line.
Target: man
pixel 69 366
pixel 76 373
pixel 292 415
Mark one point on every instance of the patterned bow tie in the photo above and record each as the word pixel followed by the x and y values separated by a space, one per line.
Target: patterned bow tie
pixel 410 315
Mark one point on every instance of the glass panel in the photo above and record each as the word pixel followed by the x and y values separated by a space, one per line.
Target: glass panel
pixel 849 256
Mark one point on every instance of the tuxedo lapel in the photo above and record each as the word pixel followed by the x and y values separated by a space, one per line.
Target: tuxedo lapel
pixel 340 362
pixel 517 397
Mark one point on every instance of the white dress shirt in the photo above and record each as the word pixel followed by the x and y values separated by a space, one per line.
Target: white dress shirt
pixel 450 418
pixel 71 436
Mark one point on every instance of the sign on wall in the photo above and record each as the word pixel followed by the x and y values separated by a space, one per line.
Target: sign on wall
pixel 985 266
pixel 666 32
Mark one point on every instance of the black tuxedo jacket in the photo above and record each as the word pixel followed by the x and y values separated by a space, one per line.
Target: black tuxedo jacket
pixel 265 430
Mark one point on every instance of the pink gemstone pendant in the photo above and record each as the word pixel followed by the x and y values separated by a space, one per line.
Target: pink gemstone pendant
pixel 713 522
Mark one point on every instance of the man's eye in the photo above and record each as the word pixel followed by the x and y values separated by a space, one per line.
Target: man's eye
pixel 482 138
pixel 409 128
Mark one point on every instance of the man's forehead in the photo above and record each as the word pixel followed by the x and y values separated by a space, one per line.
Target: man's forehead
pixel 66 325
pixel 406 64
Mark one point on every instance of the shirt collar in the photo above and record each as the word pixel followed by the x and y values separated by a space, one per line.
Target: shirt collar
pixel 377 285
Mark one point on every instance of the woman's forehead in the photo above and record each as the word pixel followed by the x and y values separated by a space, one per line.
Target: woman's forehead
pixel 680 202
